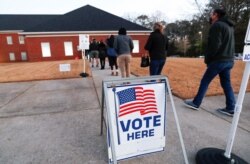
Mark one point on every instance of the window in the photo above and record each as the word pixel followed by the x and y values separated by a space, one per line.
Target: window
pixel 9 40
pixel 12 56
pixel 68 48
pixel 24 56
pixel 21 39
pixel 136 46
pixel 46 49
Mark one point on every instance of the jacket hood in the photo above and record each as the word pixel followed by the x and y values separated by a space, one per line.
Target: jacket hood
pixel 227 21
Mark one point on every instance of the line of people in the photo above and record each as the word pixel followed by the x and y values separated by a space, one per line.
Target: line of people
pixel 118 50
pixel 219 56
pixel 98 51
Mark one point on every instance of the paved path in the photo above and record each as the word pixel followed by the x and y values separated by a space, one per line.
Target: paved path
pixel 58 122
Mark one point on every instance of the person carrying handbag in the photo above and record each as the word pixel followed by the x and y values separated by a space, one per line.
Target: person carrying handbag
pixel 112 56
pixel 157 46
pixel 145 62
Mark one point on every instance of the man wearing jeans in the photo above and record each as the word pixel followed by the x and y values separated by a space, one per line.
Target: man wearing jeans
pixel 219 58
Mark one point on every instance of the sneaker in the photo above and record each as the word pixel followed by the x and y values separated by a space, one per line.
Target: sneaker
pixel 190 104
pixel 226 112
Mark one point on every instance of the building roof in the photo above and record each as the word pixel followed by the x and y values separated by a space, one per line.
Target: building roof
pixel 21 22
pixel 86 18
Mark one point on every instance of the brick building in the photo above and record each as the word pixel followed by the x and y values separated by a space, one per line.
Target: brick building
pixel 56 37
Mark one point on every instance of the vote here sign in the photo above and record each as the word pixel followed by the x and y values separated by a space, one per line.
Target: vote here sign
pixel 246 53
pixel 137 115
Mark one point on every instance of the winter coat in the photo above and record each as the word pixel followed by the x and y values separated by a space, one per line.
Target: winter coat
pixel 221 44
pixel 157 45
pixel 123 44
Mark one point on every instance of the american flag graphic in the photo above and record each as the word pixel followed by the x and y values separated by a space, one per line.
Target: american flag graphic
pixel 137 99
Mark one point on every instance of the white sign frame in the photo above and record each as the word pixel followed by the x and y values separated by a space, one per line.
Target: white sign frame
pixel 118 147
pixel 247 37
pixel 110 110
pixel 246 53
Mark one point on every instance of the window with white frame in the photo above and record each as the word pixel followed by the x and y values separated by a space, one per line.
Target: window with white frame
pixel 9 40
pixel 45 49
pixel 136 46
pixel 23 56
pixel 21 39
pixel 68 48
pixel 12 56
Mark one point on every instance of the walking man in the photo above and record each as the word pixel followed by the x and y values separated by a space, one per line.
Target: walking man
pixel 219 58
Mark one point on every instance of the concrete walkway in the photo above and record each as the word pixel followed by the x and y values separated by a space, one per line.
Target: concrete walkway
pixel 58 122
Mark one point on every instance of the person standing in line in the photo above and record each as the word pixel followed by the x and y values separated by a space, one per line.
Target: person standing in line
pixel 112 55
pixel 219 57
pixel 102 54
pixel 157 46
pixel 94 53
pixel 123 45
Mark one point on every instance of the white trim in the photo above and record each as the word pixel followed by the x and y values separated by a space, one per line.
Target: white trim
pixel 136 48
pixel 69 33
pixel 68 48
pixel 9 40
pixel 24 56
pixel 46 52
pixel 12 56
pixel 63 35
pixel 11 31
pixel 21 39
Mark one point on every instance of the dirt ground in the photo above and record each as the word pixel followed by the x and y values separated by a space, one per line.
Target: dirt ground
pixel 184 74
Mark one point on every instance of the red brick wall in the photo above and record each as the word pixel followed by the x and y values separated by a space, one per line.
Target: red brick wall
pixel 56 48
pixel 15 48
pixel 33 49
pixel 142 41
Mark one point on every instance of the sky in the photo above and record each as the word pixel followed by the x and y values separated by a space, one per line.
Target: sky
pixel 170 10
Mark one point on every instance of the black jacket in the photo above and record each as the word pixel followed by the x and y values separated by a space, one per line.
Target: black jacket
pixel 221 44
pixel 93 46
pixel 157 45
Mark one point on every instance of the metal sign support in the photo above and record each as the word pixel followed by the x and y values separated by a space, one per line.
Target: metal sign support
pixel 146 80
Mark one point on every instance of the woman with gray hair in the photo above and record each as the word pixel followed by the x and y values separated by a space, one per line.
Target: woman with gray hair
pixel 123 45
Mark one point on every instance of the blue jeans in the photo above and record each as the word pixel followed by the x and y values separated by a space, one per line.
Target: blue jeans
pixel 156 66
pixel 221 68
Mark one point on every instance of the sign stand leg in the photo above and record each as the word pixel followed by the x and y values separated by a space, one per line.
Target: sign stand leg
pixel 102 110
pixel 177 124
pixel 210 155
pixel 83 74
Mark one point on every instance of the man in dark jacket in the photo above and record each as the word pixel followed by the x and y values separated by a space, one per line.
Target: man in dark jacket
pixel 157 45
pixel 94 53
pixel 219 58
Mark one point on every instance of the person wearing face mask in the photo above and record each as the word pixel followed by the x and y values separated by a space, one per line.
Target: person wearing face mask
pixel 219 57
pixel 157 45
